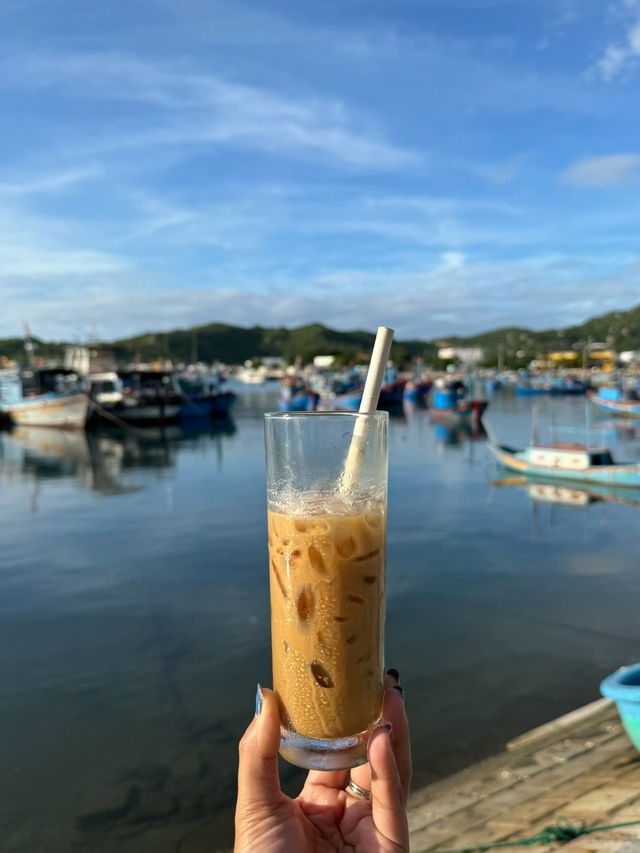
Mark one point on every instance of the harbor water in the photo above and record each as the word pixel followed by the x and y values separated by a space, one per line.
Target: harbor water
pixel 134 614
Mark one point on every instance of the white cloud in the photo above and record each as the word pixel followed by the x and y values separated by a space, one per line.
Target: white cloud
pixel 452 261
pixel 622 56
pixel 429 301
pixel 506 170
pixel 183 108
pixel 615 58
pixel 34 248
pixel 612 170
pixel 53 182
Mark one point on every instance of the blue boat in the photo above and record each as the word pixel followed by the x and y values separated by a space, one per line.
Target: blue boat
pixel 416 390
pixel 525 389
pixel 570 462
pixel 296 396
pixel 611 400
pixel 203 397
pixel 451 403
pixel 349 401
pixel 566 385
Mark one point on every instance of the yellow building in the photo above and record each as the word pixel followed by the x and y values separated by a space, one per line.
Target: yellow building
pixel 569 357
pixel 604 359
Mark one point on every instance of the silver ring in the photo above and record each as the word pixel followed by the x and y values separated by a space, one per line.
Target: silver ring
pixel 357 791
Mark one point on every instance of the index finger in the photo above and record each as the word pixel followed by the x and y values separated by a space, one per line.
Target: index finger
pixel 393 711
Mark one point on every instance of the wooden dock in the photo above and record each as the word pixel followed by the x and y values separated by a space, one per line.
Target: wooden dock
pixel 581 767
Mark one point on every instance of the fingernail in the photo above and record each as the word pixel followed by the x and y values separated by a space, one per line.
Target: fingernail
pixel 258 700
pixel 394 673
pixel 399 689
pixel 388 727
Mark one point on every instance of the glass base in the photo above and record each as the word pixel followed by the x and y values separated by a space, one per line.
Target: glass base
pixel 325 754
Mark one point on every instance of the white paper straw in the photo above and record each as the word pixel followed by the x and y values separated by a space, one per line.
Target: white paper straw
pixel 368 405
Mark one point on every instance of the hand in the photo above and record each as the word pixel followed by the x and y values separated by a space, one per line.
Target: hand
pixel 325 817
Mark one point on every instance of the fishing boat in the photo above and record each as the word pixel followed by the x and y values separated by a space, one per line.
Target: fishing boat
pixel 565 461
pixel 148 398
pixel 392 393
pixel 568 385
pixel 611 400
pixel 203 396
pixel 528 389
pixel 340 392
pixel 451 403
pixel 416 390
pixel 44 398
pixel 296 396
pixel 67 411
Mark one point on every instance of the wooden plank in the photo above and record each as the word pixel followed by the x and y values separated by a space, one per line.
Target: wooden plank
pixel 596 805
pixel 505 767
pixel 555 728
pixel 583 768
pixel 456 826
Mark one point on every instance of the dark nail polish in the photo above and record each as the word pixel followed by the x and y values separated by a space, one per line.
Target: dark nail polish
pixel 258 700
pixel 394 673
pixel 399 689
pixel 389 728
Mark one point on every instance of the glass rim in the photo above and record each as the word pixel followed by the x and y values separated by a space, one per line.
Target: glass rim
pixel 379 413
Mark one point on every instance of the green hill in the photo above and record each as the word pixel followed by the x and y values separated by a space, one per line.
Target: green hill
pixel 235 344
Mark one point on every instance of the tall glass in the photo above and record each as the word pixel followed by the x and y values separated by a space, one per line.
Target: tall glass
pixel 327 584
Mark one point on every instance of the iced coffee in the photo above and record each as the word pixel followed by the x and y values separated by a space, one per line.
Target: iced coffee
pixel 327 587
pixel 327 605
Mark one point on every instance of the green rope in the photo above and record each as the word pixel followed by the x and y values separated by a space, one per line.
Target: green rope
pixel 561 831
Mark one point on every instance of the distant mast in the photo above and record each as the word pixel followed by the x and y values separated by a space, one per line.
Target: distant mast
pixel 194 346
pixel 28 343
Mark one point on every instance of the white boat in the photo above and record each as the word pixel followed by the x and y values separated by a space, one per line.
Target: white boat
pixel 252 376
pixel 67 411
pixel 106 389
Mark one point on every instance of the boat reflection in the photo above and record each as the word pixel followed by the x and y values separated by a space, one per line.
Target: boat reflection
pixel 614 428
pixel 105 460
pixel 453 434
pixel 567 494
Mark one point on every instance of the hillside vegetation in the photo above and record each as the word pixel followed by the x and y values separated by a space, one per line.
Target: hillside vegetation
pixel 235 344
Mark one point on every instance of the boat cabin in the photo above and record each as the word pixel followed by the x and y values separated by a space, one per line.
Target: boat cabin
pixel 571 457
pixel 57 380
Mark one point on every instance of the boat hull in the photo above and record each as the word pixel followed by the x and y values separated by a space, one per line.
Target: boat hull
pixel 530 390
pixel 300 403
pixel 416 390
pixel 343 402
pixel 140 414
pixel 465 412
pixel 627 476
pixel 620 408
pixel 215 406
pixel 50 410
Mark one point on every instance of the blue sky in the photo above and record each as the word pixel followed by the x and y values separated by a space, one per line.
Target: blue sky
pixel 436 165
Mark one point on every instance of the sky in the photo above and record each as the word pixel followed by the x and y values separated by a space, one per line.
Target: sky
pixel 439 166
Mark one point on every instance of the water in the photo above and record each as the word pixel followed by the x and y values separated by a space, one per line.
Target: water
pixel 134 616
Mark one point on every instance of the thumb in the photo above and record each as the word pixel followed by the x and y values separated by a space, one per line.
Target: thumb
pixel 258 783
